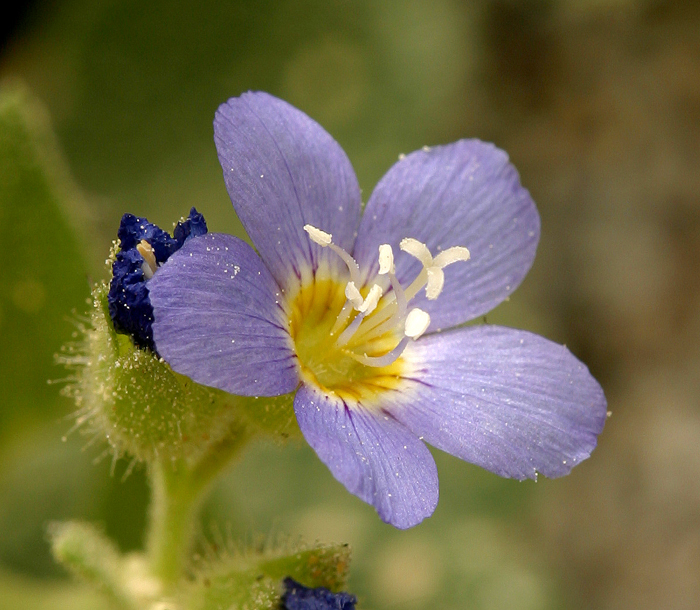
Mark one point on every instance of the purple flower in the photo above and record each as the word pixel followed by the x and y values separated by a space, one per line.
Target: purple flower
pixel 323 309
pixel 299 597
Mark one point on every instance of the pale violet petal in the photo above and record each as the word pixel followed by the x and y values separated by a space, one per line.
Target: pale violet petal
pixel 507 400
pixel 462 194
pixel 219 318
pixel 284 171
pixel 375 457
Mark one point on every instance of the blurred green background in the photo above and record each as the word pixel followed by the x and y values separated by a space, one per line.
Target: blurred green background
pixel 107 107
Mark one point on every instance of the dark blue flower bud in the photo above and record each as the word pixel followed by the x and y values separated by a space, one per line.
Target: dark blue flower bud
pixel 134 229
pixel 299 597
pixel 193 226
pixel 143 247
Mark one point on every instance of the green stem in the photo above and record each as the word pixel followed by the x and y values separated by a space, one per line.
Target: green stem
pixel 173 506
pixel 177 493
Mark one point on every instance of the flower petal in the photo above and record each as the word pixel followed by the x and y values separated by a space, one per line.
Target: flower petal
pixel 375 457
pixel 507 400
pixel 218 321
pixel 462 194
pixel 283 171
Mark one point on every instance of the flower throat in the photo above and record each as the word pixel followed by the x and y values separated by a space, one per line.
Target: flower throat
pixel 349 337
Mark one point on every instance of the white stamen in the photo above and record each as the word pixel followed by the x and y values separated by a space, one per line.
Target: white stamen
pixel 417 284
pixel 386 359
pixel 451 255
pixel 385 320
pixel 342 317
pixel 417 322
pixel 436 277
pixel 401 302
pixel 322 238
pixel 432 276
pixel 150 265
pixel 386 259
pixel 418 250
pixel 436 280
pixel 391 309
pixel 353 295
pixel 370 303
pixel 347 334
pixel 366 308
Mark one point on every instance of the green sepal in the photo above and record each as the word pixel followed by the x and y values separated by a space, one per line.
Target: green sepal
pixel 147 410
pixel 141 405
pixel 271 416
pixel 254 579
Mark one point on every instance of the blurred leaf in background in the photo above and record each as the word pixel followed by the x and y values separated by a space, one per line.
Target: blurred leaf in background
pixel 45 240
pixel 44 273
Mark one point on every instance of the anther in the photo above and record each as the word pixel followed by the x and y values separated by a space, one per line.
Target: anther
pixel 417 322
pixel 366 305
pixel 386 259
pixel 417 249
pixel 353 295
pixel 451 255
pixel 150 265
pixel 436 281
pixel 322 238
pixel 370 303
pixel 365 308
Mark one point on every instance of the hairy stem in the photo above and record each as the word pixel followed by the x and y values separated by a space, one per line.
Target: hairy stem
pixel 178 490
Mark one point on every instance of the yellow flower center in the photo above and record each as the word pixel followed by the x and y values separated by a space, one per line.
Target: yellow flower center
pixel 314 312
pixel 349 339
